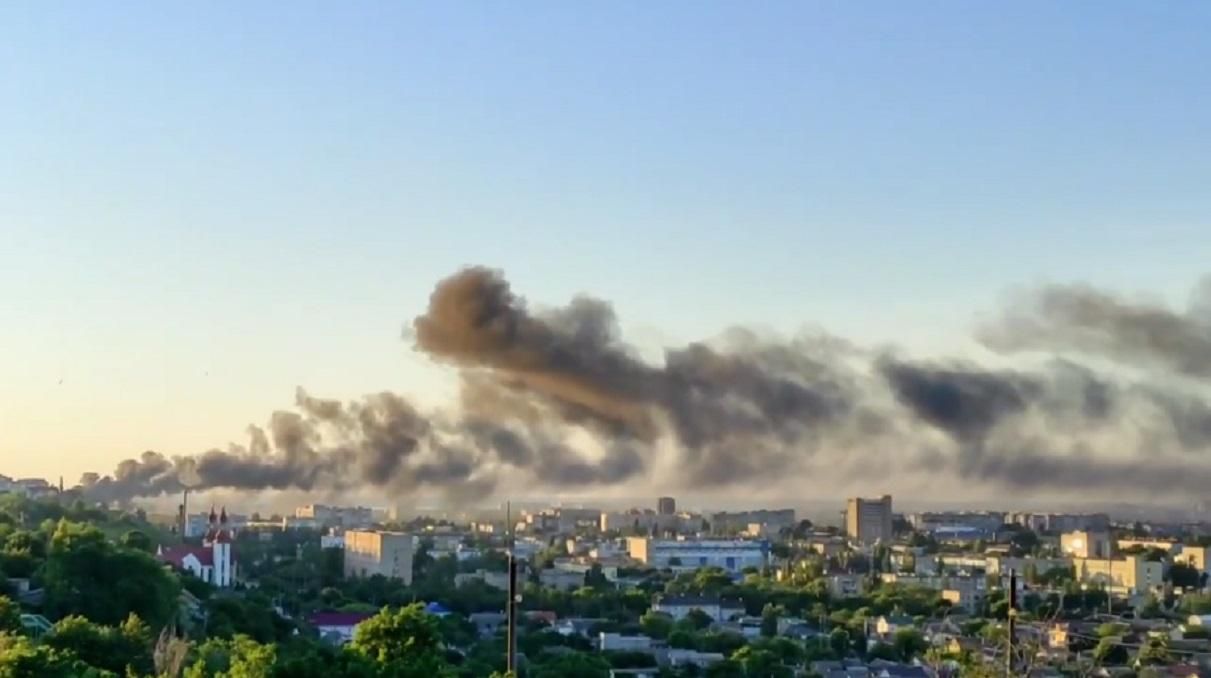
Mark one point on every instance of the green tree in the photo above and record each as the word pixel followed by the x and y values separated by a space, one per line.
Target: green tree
pixel 1110 652
pixel 137 540
pixel 566 664
pixel 839 641
pixel 405 642
pixel 87 575
pixel 760 662
pixel 123 649
pixel 595 578
pixel 682 639
pixel 727 668
pixel 1196 603
pixel 656 625
pixel 21 658
pixel 769 620
pixel 698 619
pixel 909 643
pixel 10 616
pixel 239 657
pixel 1154 652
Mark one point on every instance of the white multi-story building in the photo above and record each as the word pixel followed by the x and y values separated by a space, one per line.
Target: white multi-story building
pixel 371 552
pixel 733 555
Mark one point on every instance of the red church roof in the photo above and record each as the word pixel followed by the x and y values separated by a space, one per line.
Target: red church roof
pixel 175 555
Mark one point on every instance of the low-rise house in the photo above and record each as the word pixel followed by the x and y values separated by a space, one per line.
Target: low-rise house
pixel 487 623
pixel 677 657
pixel 617 642
pixel 337 627
pixel 561 580
pixel 498 580
pixel 886 625
pixel 678 607
pixel 846 585
pixel 577 626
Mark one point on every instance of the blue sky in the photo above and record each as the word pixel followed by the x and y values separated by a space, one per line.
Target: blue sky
pixel 203 206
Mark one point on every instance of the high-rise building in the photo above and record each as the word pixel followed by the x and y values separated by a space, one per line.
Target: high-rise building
pixel 869 520
pixel 666 506
pixel 371 552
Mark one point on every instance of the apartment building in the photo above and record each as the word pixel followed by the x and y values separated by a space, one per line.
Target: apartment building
pixel 1086 544
pixel 733 555
pixel 1126 576
pixel 869 520
pixel 371 552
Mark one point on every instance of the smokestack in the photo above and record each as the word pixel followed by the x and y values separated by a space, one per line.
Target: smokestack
pixel 184 514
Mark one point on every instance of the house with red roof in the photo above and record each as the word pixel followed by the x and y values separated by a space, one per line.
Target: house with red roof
pixel 212 562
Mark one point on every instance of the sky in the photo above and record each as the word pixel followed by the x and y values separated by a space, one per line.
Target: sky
pixel 204 206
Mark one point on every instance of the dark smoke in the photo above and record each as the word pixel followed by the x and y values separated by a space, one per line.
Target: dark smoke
pixel 557 399
pixel 1081 318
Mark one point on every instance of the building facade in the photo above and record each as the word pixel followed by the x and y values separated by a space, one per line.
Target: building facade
pixel 213 561
pixel 666 506
pixel 732 555
pixel 1127 576
pixel 371 552
pixel 869 520
pixel 1086 544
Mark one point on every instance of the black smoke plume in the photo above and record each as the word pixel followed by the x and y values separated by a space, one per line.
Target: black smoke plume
pixel 557 398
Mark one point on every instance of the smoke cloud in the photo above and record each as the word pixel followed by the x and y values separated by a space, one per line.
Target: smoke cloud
pixel 557 398
pixel 1083 319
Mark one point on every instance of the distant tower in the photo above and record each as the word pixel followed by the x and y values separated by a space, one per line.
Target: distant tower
pixel 218 539
pixel 869 520
pixel 666 506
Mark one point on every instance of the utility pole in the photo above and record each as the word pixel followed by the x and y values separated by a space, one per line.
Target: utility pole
pixel 514 598
pixel 1011 618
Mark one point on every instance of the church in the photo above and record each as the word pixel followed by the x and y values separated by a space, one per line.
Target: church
pixel 212 562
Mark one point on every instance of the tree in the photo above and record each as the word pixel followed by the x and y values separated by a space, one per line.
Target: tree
pixel 239 657
pixel 595 578
pixel 884 651
pixel 769 620
pixel 1186 576
pixel 683 640
pixel 699 619
pixel 909 643
pixel 1154 652
pixel 571 664
pixel 760 662
pixel 123 649
pixel 838 640
pixel 406 642
pixel 21 658
pixel 137 540
pixel 87 575
pixel 10 616
pixel 1196 603
pixel 656 625
pixel 1110 652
